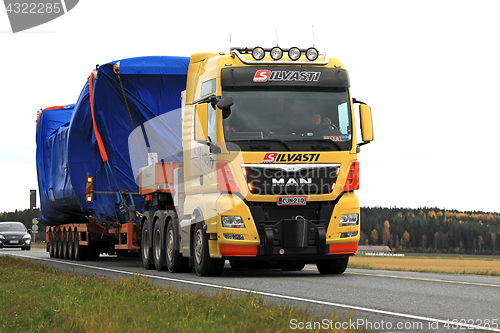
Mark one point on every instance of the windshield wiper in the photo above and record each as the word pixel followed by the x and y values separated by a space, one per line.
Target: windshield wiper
pixel 261 146
pixel 278 140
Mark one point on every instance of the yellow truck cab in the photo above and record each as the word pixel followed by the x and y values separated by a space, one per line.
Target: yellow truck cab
pixel 269 166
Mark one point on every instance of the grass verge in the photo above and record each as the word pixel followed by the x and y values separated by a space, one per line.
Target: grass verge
pixel 458 265
pixel 37 298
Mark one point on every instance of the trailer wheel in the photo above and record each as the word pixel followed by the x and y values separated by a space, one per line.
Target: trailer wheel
pixel 59 245
pixel 71 246
pixel 146 248
pixel 51 244
pixel 64 245
pixel 79 250
pixel 203 264
pixel 332 266
pixel 158 243
pixel 292 265
pixel 176 263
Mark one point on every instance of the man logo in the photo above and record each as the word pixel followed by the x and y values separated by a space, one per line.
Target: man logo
pixel 261 75
pixel 26 15
pixel 291 182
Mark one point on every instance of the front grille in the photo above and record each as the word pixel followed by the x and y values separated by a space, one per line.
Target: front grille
pixel 284 179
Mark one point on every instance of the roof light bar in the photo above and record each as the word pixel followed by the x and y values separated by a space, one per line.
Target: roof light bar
pixel 276 53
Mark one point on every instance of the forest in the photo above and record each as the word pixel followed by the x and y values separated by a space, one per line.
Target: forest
pixel 402 229
pixel 431 230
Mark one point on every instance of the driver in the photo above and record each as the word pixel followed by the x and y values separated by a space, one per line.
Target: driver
pixel 316 124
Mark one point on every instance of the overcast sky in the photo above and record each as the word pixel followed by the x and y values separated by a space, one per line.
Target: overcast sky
pixel 430 70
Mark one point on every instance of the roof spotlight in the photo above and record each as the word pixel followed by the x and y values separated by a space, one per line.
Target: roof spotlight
pixel 276 53
pixel 294 53
pixel 258 53
pixel 312 54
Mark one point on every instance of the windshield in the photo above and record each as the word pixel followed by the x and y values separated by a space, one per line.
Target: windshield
pixel 300 114
pixel 7 227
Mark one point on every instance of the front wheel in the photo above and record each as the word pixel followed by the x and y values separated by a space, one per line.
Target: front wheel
pixel 203 264
pixel 332 266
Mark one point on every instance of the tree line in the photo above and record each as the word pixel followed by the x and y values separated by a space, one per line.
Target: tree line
pixel 25 216
pixel 431 230
pixel 403 229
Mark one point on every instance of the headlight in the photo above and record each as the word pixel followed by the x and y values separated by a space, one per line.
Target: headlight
pixel 2 237
pixel 312 54
pixel 276 53
pixel 349 234
pixel 348 219
pixel 258 53
pixel 294 53
pixel 234 236
pixel 232 222
pixel 27 236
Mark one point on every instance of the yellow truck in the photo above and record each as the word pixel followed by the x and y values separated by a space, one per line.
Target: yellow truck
pixel 269 167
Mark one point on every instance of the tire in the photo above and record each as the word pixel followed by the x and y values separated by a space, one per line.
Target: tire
pixel 159 253
pixel 59 243
pixel 203 264
pixel 64 245
pixel 71 246
pixel 176 263
pixel 332 266
pixel 292 265
pixel 146 248
pixel 51 244
pixel 79 250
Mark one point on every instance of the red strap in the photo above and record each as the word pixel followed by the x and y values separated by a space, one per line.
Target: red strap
pixel 104 156
pixel 51 108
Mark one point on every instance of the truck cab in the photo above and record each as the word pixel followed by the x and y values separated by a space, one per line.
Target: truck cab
pixel 269 161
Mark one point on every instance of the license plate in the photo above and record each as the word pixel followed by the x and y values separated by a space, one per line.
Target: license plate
pixel 290 201
pixel 14 242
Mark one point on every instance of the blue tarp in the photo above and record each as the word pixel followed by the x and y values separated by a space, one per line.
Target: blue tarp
pixel 151 124
pixel 52 166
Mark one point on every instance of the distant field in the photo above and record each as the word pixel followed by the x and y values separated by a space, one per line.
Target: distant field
pixel 454 265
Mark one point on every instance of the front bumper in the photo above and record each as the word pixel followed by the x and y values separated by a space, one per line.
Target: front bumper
pixel 18 243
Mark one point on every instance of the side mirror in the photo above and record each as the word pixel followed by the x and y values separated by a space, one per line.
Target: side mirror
pixel 214 149
pixel 365 115
pixel 225 105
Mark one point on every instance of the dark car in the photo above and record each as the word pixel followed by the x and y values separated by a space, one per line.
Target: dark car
pixel 14 234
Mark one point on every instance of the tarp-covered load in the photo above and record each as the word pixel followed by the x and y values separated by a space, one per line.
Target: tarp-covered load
pixel 141 94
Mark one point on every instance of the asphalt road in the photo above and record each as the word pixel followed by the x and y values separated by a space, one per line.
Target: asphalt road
pixel 363 299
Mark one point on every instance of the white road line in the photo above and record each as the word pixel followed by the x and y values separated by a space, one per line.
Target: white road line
pixel 261 293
